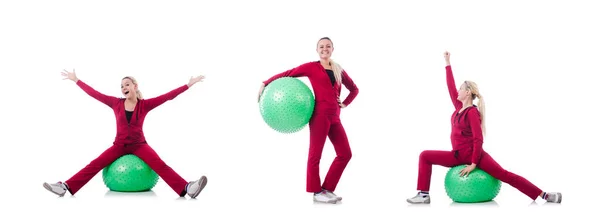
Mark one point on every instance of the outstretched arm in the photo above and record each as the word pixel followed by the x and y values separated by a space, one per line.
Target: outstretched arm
pixel 159 100
pixel 108 100
pixel 349 84
pixel 299 71
pixel 451 84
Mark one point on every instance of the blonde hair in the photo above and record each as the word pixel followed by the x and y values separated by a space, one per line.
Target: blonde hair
pixel 337 71
pixel 472 86
pixel 137 91
pixel 337 68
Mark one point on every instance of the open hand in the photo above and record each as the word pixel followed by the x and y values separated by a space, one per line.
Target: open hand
pixel 465 171
pixel 69 75
pixel 194 80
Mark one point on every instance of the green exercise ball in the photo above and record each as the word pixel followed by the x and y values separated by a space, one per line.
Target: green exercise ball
pixel 478 186
pixel 129 173
pixel 287 104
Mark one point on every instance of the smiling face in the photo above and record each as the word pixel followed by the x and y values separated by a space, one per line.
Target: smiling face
pixel 128 88
pixel 325 48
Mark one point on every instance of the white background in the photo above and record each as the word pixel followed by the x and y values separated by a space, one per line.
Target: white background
pixel 535 63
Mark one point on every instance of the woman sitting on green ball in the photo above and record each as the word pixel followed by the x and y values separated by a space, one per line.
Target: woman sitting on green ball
pixel 130 113
pixel 468 127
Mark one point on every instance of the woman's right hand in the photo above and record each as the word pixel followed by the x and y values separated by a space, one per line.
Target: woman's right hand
pixel 69 75
pixel 262 87
pixel 447 57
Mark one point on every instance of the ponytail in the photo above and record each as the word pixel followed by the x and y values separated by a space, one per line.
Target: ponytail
pixel 481 107
pixel 472 86
pixel 139 94
pixel 337 71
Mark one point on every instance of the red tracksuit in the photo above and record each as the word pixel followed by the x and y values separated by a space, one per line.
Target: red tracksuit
pixel 324 122
pixel 129 140
pixel 467 141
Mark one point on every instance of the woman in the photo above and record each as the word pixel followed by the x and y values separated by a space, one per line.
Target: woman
pixel 326 78
pixel 468 128
pixel 130 113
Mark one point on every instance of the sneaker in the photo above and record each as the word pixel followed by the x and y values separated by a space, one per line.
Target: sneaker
pixel 554 197
pixel 58 188
pixel 194 188
pixel 324 197
pixel 419 199
pixel 333 195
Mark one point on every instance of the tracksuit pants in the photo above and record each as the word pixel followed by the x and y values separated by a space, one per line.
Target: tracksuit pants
pixel 487 164
pixel 143 151
pixel 323 125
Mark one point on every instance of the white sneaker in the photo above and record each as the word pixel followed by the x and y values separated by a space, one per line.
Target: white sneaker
pixel 58 188
pixel 324 197
pixel 194 188
pixel 554 197
pixel 339 198
pixel 419 199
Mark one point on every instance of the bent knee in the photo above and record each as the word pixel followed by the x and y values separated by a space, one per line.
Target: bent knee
pixel 424 154
pixel 346 156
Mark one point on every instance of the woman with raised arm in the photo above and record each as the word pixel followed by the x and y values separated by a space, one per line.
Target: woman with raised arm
pixel 468 129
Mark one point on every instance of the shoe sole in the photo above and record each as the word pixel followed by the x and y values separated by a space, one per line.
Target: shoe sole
pixel 49 188
pixel 428 201
pixel 327 202
pixel 202 181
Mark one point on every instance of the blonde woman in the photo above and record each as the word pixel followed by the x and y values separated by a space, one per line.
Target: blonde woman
pixel 130 113
pixel 327 78
pixel 468 128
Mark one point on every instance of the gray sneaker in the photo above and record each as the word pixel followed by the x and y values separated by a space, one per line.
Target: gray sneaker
pixel 419 199
pixel 339 198
pixel 58 188
pixel 325 197
pixel 195 187
pixel 554 197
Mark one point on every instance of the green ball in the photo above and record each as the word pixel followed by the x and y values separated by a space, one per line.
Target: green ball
pixel 287 104
pixel 129 173
pixel 478 186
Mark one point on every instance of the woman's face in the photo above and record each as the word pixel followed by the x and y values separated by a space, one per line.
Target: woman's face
pixel 128 88
pixel 324 48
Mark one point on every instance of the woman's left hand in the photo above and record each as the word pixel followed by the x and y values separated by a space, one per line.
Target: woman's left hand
pixel 194 80
pixel 341 104
pixel 465 171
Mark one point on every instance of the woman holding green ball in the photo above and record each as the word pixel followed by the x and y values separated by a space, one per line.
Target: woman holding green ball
pixel 130 113
pixel 468 128
pixel 327 78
